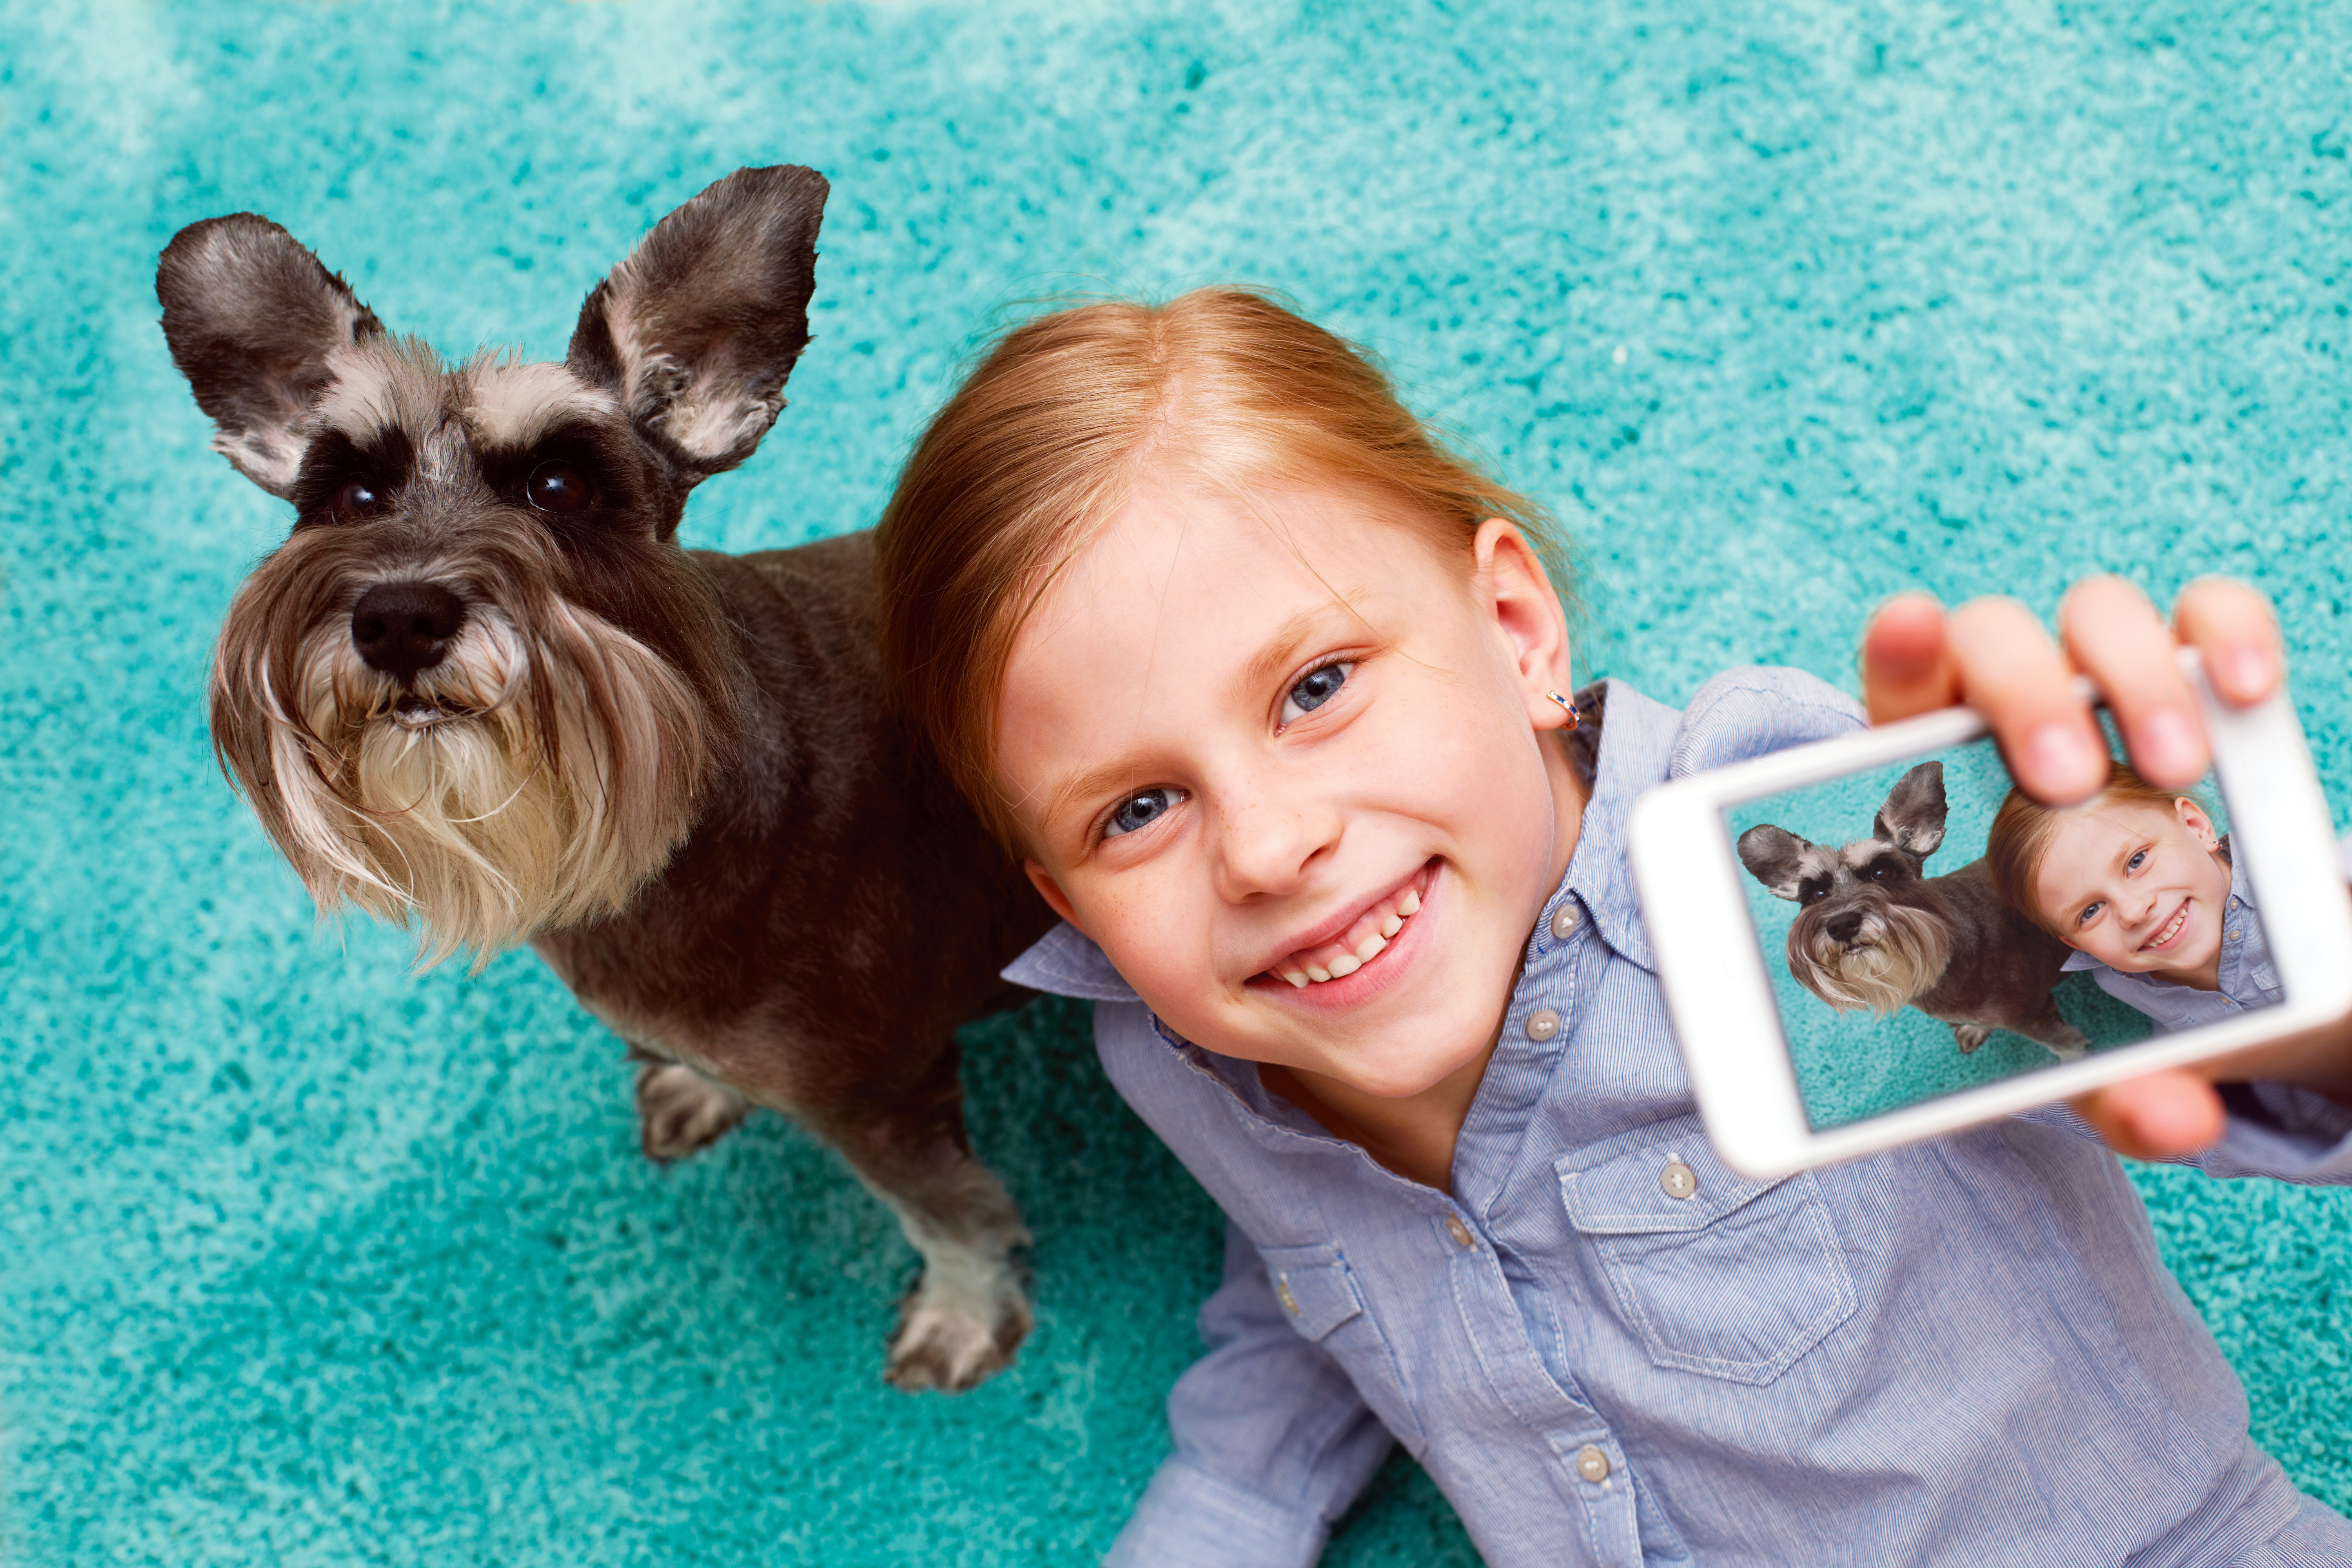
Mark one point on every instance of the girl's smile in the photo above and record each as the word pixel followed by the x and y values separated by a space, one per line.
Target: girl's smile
pixel 1281 757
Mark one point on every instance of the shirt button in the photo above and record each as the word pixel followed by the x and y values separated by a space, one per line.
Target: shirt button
pixel 1289 1301
pixel 1563 923
pixel 1593 1464
pixel 1543 1026
pixel 1679 1180
pixel 1458 1231
pixel 2233 936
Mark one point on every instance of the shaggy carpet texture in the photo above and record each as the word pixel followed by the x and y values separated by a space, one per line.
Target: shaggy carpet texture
pixel 306 1259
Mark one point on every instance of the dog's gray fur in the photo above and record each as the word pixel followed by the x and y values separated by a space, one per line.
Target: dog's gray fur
pixel 1874 932
pixel 481 687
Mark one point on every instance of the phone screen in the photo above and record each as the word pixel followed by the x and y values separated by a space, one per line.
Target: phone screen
pixel 1926 934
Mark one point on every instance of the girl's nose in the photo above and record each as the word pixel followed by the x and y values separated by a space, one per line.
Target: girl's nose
pixel 1266 844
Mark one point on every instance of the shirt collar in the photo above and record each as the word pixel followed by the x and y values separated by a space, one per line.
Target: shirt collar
pixel 1637 741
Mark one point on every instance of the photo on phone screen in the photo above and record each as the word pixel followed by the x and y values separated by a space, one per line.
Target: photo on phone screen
pixel 1928 930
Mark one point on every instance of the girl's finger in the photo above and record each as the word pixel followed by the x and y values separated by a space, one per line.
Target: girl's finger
pixel 1906 667
pixel 2232 626
pixel 2013 673
pixel 2114 634
pixel 2163 1116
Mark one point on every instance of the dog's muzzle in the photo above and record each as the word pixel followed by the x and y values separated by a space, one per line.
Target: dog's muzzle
pixel 402 628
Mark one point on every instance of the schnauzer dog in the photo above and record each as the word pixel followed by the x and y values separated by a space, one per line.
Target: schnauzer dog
pixel 1874 933
pixel 482 686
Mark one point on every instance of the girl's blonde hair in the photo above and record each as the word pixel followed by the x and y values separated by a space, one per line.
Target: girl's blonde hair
pixel 2022 828
pixel 1047 439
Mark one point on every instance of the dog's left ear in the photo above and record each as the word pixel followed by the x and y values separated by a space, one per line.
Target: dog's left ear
pixel 1912 818
pixel 251 318
pixel 1774 856
pixel 697 329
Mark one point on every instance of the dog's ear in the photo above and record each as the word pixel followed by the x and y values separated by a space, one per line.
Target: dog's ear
pixel 1912 818
pixel 251 317
pixel 1774 856
pixel 697 329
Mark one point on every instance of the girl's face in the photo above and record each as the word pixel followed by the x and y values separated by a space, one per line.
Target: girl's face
pixel 2138 887
pixel 1282 761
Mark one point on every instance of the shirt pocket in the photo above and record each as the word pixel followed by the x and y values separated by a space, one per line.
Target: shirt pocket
pixel 1319 1295
pixel 1736 1279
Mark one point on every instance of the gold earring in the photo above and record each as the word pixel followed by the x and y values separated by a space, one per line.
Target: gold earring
pixel 1566 707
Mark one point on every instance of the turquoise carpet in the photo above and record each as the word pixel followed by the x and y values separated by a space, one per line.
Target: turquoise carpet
pixel 305 1260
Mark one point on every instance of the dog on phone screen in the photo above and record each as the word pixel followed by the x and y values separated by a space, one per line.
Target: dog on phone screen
pixel 481 687
pixel 1873 931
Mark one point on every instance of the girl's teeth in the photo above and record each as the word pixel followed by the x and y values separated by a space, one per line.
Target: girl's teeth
pixel 1371 947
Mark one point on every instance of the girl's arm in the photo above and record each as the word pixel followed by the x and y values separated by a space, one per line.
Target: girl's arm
pixel 1994 655
pixel 1273 1442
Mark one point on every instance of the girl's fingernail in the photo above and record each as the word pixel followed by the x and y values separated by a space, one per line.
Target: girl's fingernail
pixel 2165 745
pixel 2250 671
pixel 2063 762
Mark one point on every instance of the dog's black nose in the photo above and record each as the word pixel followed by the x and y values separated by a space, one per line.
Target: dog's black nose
pixel 403 627
pixel 1843 926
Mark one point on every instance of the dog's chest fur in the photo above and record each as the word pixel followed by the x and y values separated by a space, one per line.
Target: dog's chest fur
pixel 823 841
pixel 2000 952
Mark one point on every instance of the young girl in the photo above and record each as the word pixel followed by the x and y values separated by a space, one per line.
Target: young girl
pixel 1267 687
pixel 2138 882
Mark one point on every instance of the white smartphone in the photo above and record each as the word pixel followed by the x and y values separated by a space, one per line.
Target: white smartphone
pixel 1860 946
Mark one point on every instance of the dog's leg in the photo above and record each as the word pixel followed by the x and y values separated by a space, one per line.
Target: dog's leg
pixel 967 1313
pixel 679 1111
pixel 1971 1036
pixel 2066 1041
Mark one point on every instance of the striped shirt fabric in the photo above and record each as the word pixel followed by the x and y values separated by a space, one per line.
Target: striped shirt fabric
pixel 1609 1347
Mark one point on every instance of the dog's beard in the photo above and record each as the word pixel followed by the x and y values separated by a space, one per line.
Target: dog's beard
pixel 1908 949
pixel 453 803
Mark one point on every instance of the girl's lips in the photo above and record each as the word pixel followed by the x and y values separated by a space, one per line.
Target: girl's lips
pixel 2170 931
pixel 1375 976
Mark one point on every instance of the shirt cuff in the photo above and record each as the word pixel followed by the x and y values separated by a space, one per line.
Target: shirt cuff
pixel 1189 1519
pixel 2283 1131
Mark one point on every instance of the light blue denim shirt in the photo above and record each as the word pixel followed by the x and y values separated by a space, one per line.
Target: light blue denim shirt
pixel 1961 1351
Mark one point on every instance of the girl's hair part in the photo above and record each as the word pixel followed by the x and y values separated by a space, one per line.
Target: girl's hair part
pixel 1053 430
pixel 2022 828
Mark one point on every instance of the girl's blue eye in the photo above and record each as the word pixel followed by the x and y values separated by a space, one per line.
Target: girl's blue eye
pixel 2090 913
pixel 1313 689
pixel 1141 809
pixel 2134 863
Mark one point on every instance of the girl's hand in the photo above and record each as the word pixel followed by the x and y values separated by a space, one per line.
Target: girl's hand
pixel 1993 654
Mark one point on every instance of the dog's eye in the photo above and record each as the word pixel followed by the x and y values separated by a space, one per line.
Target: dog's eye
pixel 356 500
pixel 558 488
pixel 1813 893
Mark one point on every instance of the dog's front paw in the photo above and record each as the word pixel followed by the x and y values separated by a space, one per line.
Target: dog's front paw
pixel 953 1341
pixel 679 1111
pixel 1971 1036
pixel 2069 1044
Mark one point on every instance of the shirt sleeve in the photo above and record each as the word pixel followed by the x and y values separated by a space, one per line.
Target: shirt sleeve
pixel 2283 1130
pixel 1273 1442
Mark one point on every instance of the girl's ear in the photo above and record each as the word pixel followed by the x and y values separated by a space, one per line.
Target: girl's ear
pixel 1512 586
pixel 1050 891
pixel 2192 817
